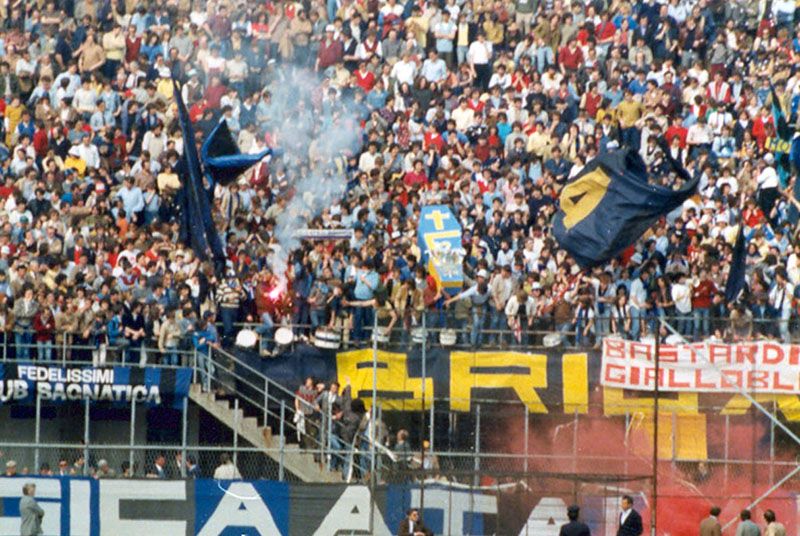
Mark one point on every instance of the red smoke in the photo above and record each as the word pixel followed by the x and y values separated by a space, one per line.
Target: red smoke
pixel 603 459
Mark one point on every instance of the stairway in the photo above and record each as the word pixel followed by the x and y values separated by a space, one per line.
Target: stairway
pixel 300 464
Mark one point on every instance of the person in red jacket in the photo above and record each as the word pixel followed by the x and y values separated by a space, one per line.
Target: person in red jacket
pixel 416 177
pixel 44 326
pixel 331 50
pixel 214 92
pixel 703 292
pixel 41 142
pixel 570 56
pixel 364 79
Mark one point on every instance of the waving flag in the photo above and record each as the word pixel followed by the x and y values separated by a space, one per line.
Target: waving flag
pixel 735 282
pixel 197 226
pixel 610 204
pixel 221 156
pixel 780 145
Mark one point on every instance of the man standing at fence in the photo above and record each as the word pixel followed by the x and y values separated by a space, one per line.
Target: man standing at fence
pixel 746 526
pixel 30 512
pixel 710 526
pixel 574 527
pixel 630 522
pixel 773 527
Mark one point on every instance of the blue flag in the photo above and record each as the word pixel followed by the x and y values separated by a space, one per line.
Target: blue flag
pixel 610 204
pixel 735 282
pixel 197 226
pixel 221 156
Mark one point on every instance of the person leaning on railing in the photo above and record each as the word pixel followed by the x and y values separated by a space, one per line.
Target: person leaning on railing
pixel 24 311
pixel 44 324
pixel 169 338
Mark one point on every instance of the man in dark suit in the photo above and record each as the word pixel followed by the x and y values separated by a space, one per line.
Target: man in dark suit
pixel 574 527
pixel 412 525
pixel 630 522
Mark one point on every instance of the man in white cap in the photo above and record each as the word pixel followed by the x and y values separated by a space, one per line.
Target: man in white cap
pixel 11 468
pixel 767 184
pixel 331 50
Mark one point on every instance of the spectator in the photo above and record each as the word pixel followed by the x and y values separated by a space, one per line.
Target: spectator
pixel 226 470
pixel 31 513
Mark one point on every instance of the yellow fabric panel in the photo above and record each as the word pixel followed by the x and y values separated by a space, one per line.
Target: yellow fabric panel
pixel 575 375
pixel 690 440
pixel 615 403
pixel 463 378
pixel 392 378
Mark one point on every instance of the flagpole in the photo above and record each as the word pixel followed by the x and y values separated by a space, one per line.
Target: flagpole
pixel 654 510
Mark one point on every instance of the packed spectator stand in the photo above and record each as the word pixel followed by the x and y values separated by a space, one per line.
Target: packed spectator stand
pixel 489 107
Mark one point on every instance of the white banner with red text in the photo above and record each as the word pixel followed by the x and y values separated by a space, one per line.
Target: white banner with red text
pixel 755 367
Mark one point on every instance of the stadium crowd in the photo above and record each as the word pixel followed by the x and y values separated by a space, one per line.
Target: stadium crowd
pixel 486 106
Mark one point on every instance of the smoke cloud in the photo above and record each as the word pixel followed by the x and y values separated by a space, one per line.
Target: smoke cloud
pixel 315 125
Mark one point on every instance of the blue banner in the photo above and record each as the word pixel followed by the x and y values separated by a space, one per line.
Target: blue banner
pixel 21 383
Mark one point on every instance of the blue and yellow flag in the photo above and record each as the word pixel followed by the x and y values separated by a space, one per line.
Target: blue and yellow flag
pixel 439 237
pixel 610 204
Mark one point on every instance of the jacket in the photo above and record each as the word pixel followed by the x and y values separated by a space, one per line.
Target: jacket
pixel 406 530
pixel 710 527
pixel 632 525
pixel 575 528
pixel 31 515
pixel 748 528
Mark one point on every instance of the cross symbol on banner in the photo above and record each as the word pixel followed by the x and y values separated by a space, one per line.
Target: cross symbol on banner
pixel 438 218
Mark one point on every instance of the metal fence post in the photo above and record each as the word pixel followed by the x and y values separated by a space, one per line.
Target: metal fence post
pixel 673 437
pixel 772 447
pixel 37 432
pixel 725 446
pixel 5 345
pixel 283 440
pixel 527 441
pixel 132 439
pixel 328 430
pixel 86 438
pixel 64 350
pixel 266 400
pixel 194 365
pixel 184 435
pixel 477 444
pixel 575 447
pixel 235 432
pixel 431 427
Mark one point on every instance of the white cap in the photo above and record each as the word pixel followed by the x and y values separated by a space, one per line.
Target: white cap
pixel 74 151
pixel 330 28
pixel 768 158
pixel 483 273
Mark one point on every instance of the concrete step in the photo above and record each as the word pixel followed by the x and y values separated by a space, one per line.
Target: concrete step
pixel 298 463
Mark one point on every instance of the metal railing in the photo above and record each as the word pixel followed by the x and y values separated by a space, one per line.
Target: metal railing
pixel 448 328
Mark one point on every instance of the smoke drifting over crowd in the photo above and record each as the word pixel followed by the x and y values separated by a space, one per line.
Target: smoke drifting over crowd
pixel 317 128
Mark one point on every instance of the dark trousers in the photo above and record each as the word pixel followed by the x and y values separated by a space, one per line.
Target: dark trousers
pixel 483 73
pixel 229 316
pixel 631 137
pixel 362 320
